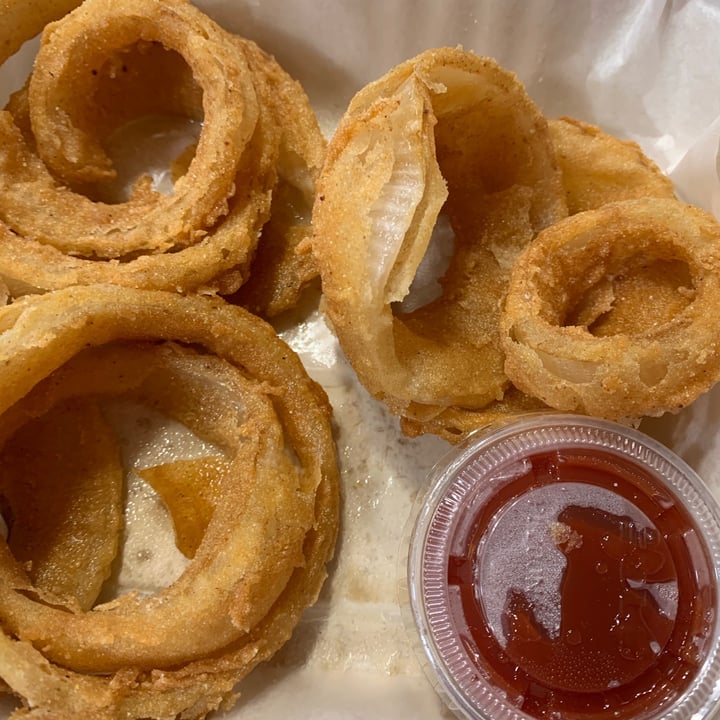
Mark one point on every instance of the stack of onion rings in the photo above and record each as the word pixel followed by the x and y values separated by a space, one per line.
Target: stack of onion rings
pixel 271 500
pixel 102 66
pixel 91 319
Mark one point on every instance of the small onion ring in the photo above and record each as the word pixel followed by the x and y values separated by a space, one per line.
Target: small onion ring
pixel 236 603
pixel 658 368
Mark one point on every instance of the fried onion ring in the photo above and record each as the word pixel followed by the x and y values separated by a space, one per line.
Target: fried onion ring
pixel 71 63
pixel 56 226
pixel 261 560
pixel 444 130
pixel 629 369
pixel 598 168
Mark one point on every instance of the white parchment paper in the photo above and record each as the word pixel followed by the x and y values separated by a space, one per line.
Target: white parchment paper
pixel 645 70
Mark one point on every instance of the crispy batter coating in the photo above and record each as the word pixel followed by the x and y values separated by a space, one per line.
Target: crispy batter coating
pixel 445 131
pixel 224 374
pixel 102 67
pixel 656 362
pixel 598 168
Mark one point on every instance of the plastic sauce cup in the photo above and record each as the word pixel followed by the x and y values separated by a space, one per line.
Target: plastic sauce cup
pixel 562 566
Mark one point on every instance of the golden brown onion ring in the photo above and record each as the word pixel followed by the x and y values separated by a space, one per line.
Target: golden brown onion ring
pixel 598 168
pixel 246 392
pixel 258 132
pixel 445 129
pixel 67 71
pixel 655 367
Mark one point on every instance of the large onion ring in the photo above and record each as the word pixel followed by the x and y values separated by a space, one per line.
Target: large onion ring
pixel 444 118
pixel 662 365
pixel 67 71
pixel 182 650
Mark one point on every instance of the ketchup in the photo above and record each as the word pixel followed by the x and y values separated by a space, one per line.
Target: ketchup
pixel 582 588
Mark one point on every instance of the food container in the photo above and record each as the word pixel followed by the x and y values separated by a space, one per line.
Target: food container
pixel 641 69
pixel 564 566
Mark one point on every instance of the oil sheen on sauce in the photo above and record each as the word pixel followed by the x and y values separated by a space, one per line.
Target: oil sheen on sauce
pixel 581 588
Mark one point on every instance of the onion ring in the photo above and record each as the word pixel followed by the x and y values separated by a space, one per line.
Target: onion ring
pixel 598 168
pixel 67 71
pixel 445 119
pixel 656 367
pixel 54 230
pixel 181 651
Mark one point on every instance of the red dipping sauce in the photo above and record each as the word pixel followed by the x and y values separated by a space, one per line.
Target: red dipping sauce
pixel 565 567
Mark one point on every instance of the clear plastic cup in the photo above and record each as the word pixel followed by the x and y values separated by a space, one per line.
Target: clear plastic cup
pixel 563 566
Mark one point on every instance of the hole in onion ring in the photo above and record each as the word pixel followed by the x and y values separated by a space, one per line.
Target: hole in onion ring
pixel 644 295
pixel 149 558
pixel 425 286
pixel 156 146
pixel 146 112
pixel 479 125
